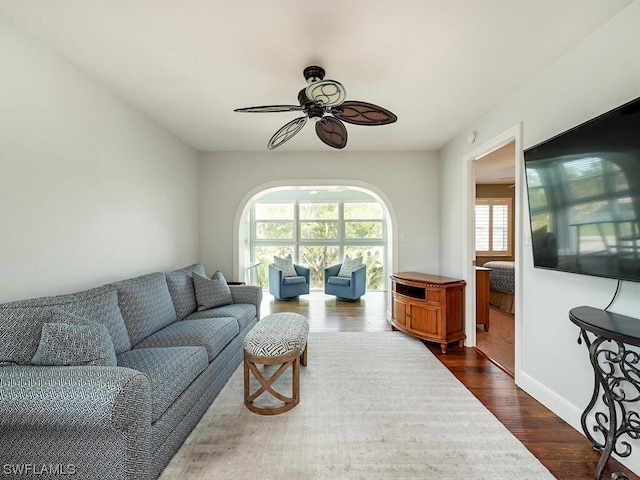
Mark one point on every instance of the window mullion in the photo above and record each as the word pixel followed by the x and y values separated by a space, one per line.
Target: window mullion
pixel 341 228
pixel 296 230
pixel 298 218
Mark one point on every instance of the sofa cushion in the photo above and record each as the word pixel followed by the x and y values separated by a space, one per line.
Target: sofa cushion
pixel 19 339
pixel 146 305
pixel 180 283
pixel 345 281
pixel 349 265
pixel 182 293
pixel 24 317
pixel 212 334
pixel 211 292
pixel 170 371
pixel 244 313
pixel 196 267
pixel 75 344
pixel 101 305
pixel 286 265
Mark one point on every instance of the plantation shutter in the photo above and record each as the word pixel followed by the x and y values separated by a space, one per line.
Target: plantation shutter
pixel 483 220
pixel 493 229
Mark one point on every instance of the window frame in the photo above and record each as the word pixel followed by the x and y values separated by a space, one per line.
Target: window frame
pixel 297 242
pixel 491 202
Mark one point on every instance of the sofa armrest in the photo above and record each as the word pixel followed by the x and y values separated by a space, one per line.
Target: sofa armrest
pixel 359 276
pixel 303 271
pixel 247 294
pixel 332 271
pixel 275 279
pixel 90 422
pixel 72 397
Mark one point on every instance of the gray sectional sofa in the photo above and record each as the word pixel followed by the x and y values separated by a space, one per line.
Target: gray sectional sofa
pixel 109 382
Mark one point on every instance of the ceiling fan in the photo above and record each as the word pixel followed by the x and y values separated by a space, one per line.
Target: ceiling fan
pixel 324 101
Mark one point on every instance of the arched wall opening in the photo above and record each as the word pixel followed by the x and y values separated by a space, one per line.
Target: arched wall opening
pixel 240 226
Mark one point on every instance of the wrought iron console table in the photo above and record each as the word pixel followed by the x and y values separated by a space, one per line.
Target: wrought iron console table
pixel 616 381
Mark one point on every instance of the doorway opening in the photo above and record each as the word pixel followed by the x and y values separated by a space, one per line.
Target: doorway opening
pixel 495 195
pixel 497 162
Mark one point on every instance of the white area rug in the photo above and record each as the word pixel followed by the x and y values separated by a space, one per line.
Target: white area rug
pixel 373 405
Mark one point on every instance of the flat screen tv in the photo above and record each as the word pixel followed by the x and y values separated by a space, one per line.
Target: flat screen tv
pixel 584 197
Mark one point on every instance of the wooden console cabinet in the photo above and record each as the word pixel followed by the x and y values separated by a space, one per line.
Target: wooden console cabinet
pixel 429 307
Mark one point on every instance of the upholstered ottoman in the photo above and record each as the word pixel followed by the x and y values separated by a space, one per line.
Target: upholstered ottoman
pixel 277 339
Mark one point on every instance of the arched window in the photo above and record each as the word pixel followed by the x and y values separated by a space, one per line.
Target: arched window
pixel 318 226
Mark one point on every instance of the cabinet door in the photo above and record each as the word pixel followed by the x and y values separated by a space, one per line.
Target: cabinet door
pixel 425 320
pixel 399 312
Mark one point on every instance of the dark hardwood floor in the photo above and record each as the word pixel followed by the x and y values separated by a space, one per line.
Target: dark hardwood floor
pixel 499 342
pixel 565 452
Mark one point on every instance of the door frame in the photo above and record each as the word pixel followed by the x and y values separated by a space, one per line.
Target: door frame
pixel 514 134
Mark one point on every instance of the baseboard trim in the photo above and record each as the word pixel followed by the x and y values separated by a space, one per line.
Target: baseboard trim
pixel 568 412
pixel 559 405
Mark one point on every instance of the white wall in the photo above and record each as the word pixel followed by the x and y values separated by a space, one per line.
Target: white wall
pixel 409 180
pixel 90 190
pixel 598 74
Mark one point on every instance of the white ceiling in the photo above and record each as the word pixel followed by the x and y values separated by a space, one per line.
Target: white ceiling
pixel 497 167
pixel 437 64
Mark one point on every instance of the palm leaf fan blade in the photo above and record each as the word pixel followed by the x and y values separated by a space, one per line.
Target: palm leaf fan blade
pixel 286 132
pixel 332 132
pixel 270 109
pixel 363 113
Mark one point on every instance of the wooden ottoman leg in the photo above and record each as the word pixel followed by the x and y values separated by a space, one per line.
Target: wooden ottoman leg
pixel 295 387
pixel 267 385
pixel 303 358
pixel 246 377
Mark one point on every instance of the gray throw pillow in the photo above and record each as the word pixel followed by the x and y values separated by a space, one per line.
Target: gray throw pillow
pixel 211 292
pixel 182 293
pixel 349 265
pixel 286 265
pixel 67 344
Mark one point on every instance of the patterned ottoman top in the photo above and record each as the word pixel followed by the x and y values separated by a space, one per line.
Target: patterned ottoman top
pixel 277 334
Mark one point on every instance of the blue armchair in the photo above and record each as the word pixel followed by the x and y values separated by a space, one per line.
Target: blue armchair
pixel 345 288
pixel 285 288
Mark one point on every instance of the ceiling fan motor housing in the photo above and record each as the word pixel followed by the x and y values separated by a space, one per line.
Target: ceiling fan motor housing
pixel 313 110
pixel 313 74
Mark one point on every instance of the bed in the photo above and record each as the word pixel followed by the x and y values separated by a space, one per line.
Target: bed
pixel 502 285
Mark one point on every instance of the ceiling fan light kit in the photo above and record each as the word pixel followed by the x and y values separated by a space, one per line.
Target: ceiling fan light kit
pixel 325 102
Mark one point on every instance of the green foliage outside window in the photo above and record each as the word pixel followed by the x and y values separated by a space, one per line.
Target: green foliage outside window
pixel 274 230
pixel 273 211
pixel 323 229
pixel 317 258
pixel 318 230
pixel 372 258
pixel 363 229
pixel 319 211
